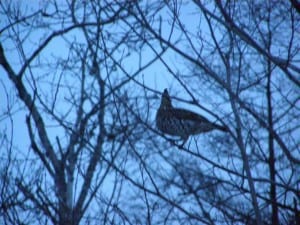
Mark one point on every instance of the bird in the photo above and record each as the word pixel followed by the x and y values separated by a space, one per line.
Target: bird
pixel 182 122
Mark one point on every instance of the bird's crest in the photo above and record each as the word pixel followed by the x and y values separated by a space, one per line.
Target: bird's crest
pixel 166 100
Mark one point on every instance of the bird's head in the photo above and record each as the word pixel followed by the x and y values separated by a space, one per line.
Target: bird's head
pixel 166 100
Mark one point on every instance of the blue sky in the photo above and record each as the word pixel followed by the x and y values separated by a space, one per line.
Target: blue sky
pixel 58 63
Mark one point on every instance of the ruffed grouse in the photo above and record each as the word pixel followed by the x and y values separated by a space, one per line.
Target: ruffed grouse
pixel 181 122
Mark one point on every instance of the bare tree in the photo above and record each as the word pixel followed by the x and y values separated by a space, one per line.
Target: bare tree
pixel 79 140
pixel 73 98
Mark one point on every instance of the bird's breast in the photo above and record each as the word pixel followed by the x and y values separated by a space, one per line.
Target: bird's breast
pixel 174 126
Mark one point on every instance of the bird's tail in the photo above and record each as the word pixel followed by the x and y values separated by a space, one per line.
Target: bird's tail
pixel 221 128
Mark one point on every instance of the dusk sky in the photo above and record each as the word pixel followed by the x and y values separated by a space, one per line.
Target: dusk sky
pixel 81 136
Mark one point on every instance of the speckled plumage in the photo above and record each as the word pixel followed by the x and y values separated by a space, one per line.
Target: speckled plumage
pixel 181 122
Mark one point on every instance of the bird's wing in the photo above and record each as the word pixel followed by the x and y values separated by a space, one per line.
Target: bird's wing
pixel 183 114
pixel 189 115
